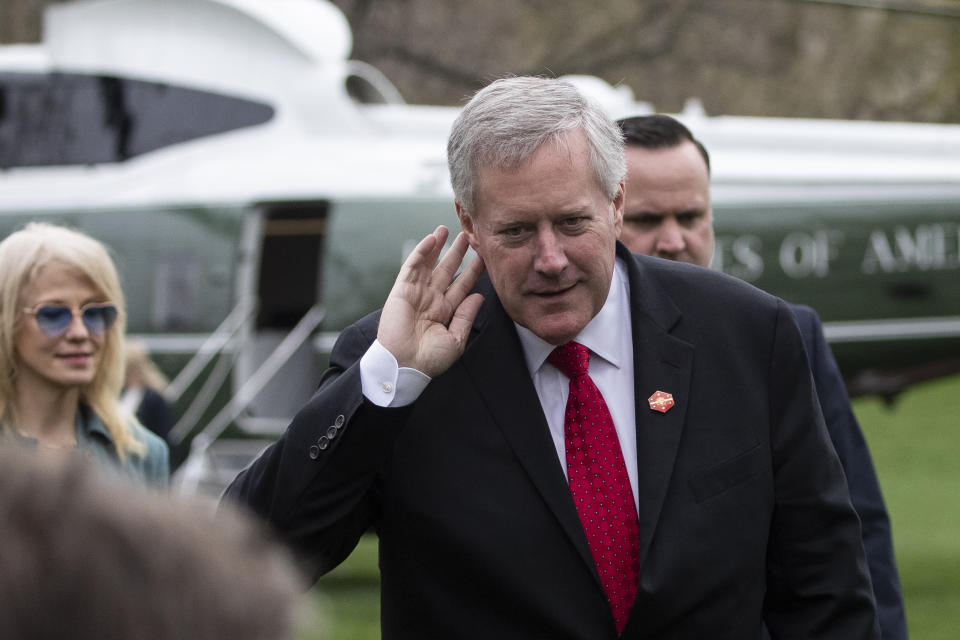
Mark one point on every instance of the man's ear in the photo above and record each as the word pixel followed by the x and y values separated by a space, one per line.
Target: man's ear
pixel 619 201
pixel 466 224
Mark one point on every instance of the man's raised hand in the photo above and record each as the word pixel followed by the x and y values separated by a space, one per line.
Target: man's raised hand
pixel 427 316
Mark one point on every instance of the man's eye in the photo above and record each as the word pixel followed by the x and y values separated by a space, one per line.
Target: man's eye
pixel 688 219
pixel 514 235
pixel 644 222
pixel 572 224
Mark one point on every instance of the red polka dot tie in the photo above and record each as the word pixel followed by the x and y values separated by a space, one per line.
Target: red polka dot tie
pixel 599 482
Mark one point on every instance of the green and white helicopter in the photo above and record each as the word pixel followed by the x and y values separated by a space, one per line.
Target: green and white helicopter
pixel 260 189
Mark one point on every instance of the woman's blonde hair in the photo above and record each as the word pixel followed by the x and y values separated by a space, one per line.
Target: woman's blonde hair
pixel 139 364
pixel 22 255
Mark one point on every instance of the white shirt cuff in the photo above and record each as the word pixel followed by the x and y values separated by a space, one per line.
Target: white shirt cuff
pixel 384 383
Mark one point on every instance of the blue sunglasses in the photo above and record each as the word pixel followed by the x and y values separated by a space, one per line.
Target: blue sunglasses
pixel 53 319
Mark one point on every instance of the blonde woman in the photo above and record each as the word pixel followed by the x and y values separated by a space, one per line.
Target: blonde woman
pixel 62 322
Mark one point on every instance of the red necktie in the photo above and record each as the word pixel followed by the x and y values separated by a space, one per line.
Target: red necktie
pixel 599 482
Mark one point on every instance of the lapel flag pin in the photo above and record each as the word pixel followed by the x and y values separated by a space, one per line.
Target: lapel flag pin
pixel 661 401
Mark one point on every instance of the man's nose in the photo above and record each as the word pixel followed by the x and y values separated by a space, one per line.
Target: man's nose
pixel 670 237
pixel 551 256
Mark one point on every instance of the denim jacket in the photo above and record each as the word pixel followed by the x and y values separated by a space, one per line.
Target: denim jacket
pixel 152 468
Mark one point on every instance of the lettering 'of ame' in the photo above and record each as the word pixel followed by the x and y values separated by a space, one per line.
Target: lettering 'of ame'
pixel 928 247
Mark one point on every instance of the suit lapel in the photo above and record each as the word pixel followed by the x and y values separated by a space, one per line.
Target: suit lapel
pixel 501 378
pixel 662 362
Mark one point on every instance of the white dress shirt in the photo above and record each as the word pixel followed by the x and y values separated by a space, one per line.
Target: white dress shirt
pixel 610 340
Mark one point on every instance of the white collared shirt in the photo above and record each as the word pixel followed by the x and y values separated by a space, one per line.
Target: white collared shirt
pixel 610 340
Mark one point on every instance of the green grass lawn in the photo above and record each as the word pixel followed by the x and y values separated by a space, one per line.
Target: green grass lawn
pixel 346 601
pixel 916 449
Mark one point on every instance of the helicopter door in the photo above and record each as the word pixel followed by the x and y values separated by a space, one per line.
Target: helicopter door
pixel 288 291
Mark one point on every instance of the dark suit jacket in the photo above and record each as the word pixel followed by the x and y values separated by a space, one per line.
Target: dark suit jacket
pixel 744 512
pixel 154 413
pixel 862 481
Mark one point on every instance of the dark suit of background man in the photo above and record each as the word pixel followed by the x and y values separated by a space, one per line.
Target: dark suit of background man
pixel 444 424
pixel 668 214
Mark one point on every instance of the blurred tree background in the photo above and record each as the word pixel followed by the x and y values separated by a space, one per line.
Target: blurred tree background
pixel 859 59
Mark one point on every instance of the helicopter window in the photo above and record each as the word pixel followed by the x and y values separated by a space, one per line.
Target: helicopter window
pixel 362 91
pixel 63 119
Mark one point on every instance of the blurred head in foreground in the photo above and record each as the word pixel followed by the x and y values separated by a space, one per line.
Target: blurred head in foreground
pixel 86 558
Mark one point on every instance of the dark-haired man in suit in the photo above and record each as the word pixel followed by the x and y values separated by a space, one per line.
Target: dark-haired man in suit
pixel 668 214
pixel 578 443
